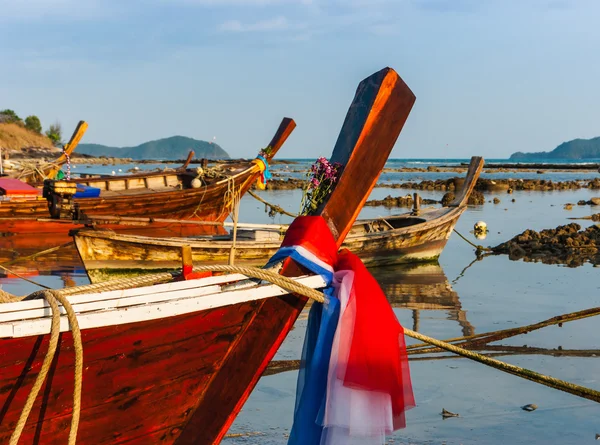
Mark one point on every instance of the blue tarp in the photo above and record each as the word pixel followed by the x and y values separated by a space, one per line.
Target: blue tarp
pixel 85 191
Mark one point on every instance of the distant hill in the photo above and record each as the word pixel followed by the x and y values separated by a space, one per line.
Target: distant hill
pixel 175 147
pixel 16 137
pixel 575 149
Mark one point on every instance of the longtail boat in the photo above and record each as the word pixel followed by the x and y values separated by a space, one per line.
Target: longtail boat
pixel 173 363
pixel 413 237
pixel 184 193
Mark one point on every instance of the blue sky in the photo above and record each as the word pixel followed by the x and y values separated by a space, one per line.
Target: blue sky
pixel 491 76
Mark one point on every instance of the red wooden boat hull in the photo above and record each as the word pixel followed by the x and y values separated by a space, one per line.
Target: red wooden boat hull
pixel 210 203
pixel 141 380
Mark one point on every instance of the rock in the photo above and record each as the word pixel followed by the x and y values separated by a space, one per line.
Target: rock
pixel 447 199
pixel 530 407
pixel 496 201
pixel 445 414
pixel 568 207
pixel 595 201
pixel 476 198
pixel 568 244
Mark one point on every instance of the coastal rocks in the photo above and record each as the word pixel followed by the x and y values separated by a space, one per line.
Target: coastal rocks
pixel 476 198
pixel 447 199
pixel 591 202
pixel 399 201
pixel 498 185
pixel 566 244
pixel 492 186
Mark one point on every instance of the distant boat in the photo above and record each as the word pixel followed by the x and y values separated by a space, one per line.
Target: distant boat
pixel 416 236
pixel 183 193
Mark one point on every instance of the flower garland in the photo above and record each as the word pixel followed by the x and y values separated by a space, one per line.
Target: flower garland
pixel 320 180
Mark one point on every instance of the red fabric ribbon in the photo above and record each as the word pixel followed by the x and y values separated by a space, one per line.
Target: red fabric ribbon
pixel 377 358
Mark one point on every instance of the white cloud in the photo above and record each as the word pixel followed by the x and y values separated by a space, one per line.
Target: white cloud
pixel 276 24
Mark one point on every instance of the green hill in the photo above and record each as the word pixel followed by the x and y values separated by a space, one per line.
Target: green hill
pixel 175 147
pixel 575 149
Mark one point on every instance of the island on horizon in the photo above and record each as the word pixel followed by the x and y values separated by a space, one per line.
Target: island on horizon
pixel 577 149
pixel 174 147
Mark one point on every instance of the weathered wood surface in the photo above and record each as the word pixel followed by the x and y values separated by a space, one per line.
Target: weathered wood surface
pixel 473 172
pixel 183 379
pixel 105 253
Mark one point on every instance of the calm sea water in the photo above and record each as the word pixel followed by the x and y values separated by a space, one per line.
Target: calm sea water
pixel 468 296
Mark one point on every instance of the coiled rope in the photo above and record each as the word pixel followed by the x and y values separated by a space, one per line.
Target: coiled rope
pixel 54 296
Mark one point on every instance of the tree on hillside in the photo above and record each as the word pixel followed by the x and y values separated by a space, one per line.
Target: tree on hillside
pixel 54 132
pixel 9 116
pixel 33 123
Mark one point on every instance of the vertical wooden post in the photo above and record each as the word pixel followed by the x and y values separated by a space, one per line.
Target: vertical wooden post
pixel 416 204
pixel 416 318
pixel 187 263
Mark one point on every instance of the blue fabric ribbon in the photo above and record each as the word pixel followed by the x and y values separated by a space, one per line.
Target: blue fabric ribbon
pixel 267 173
pixel 311 388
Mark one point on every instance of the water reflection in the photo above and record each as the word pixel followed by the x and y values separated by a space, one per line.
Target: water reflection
pixel 422 287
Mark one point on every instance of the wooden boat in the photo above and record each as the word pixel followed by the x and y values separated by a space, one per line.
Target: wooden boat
pixel 182 193
pixel 173 363
pixel 417 236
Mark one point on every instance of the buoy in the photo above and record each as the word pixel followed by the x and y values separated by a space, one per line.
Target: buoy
pixel 480 227
pixel 196 183
pixel 120 170
pixel 113 173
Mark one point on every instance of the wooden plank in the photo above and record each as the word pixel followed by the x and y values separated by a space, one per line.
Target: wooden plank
pixel 150 307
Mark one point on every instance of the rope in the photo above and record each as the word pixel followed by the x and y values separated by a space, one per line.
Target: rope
pixel 489 337
pixel 235 202
pixel 274 207
pixel 478 247
pixel 53 297
pixel 581 391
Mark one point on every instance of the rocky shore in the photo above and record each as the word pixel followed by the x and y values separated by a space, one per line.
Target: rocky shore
pixel 568 244
pixel 488 185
